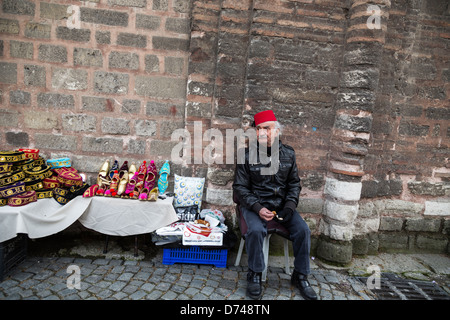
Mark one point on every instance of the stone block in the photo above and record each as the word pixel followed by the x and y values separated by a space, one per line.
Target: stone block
pixel 41 120
pixel 9 118
pixel 364 79
pixel 53 11
pixel 393 242
pixel 335 231
pixel 20 97
pixel 55 142
pixel 128 3
pixel 103 37
pixel 151 63
pixel 220 197
pixel 74 34
pixel 8 72
pixel 55 100
pixel 162 5
pixel 161 87
pixel 34 76
pixel 164 109
pixel 19 49
pixel 87 57
pixel 174 44
pixel 9 26
pixel 334 251
pixel 147 22
pixel 313 205
pixel 343 190
pixel 97 104
pixel 52 53
pixel 168 127
pixel 107 145
pixel 340 212
pixel 38 30
pixel 79 122
pixel 391 223
pixel 432 243
pixel 220 176
pixel 123 60
pixel 115 126
pixel 131 106
pixel 162 148
pixel 145 127
pixel 178 25
pixel 132 40
pixel 174 65
pixel 405 208
pixel 437 208
pixel 111 82
pixel 438 113
pixel 419 224
pixel 23 7
pixel 101 16
pixel 18 139
pixel 352 123
pixel 427 188
pixel 69 79
pixel 411 129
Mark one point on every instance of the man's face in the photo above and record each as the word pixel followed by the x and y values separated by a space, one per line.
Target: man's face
pixel 266 132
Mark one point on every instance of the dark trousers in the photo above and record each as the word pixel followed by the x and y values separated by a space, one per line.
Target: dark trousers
pixel 257 231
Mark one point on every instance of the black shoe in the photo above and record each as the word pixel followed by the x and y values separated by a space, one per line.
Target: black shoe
pixel 302 283
pixel 254 284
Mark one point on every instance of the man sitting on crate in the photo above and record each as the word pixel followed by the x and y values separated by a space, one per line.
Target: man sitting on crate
pixel 264 188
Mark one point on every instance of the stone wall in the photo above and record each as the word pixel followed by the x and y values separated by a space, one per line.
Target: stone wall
pixel 361 88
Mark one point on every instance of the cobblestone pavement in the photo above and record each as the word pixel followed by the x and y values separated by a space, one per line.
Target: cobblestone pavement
pixel 47 278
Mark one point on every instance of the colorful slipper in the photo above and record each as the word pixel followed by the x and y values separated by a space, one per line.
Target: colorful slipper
pixel 103 171
pixel 153 195
pixel 114 167
pixel 130 186
pixel 163 181
pixel 91 191
pixel 123 179
pixel 112 191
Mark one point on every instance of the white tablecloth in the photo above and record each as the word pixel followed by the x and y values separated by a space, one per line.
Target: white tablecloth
pixel 110 216
pixel 123 217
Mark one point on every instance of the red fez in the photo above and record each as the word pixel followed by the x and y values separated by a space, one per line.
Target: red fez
pixel 264 116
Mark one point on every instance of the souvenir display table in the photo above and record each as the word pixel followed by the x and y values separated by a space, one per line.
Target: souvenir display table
pixel 110 216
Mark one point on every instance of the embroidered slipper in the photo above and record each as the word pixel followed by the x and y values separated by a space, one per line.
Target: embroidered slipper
pixel 114 167
pixel 123 179
pixel 153 195
pixel 130 186
pixel 91 191
pixel 103 172
pixel 163 181
pixel 112 191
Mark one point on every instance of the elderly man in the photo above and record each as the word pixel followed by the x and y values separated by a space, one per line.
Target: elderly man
pixel 260 193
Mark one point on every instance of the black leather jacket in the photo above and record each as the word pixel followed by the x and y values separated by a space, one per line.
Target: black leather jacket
pixel 274 192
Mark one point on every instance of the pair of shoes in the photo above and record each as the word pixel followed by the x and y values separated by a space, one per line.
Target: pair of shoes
pixel 149 182
pixel 132 179
pixel 139 178
pixel 91 191
pixel 123 178
pixel 163 181
pixel 302 283
pixel 254 289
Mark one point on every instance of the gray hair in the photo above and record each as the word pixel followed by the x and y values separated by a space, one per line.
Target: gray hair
pixel 279 126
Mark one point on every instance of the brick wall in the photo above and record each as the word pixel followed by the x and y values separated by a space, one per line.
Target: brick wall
pixel 366 109
pixel 112 85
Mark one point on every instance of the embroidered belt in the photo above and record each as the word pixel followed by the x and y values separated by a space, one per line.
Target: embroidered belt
pixel 32 184
pixel 51 183
pixel 44 193
pixel 11 177
pixel 3 202
pixel 59 163
pixel 12 156
pixel 69 179
pixel 12 190
pixel 23 199
pixel 5 167
pixel 31 153
pixel 40 172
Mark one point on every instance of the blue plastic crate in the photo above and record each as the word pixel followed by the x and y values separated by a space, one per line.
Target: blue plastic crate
pixel 195 254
